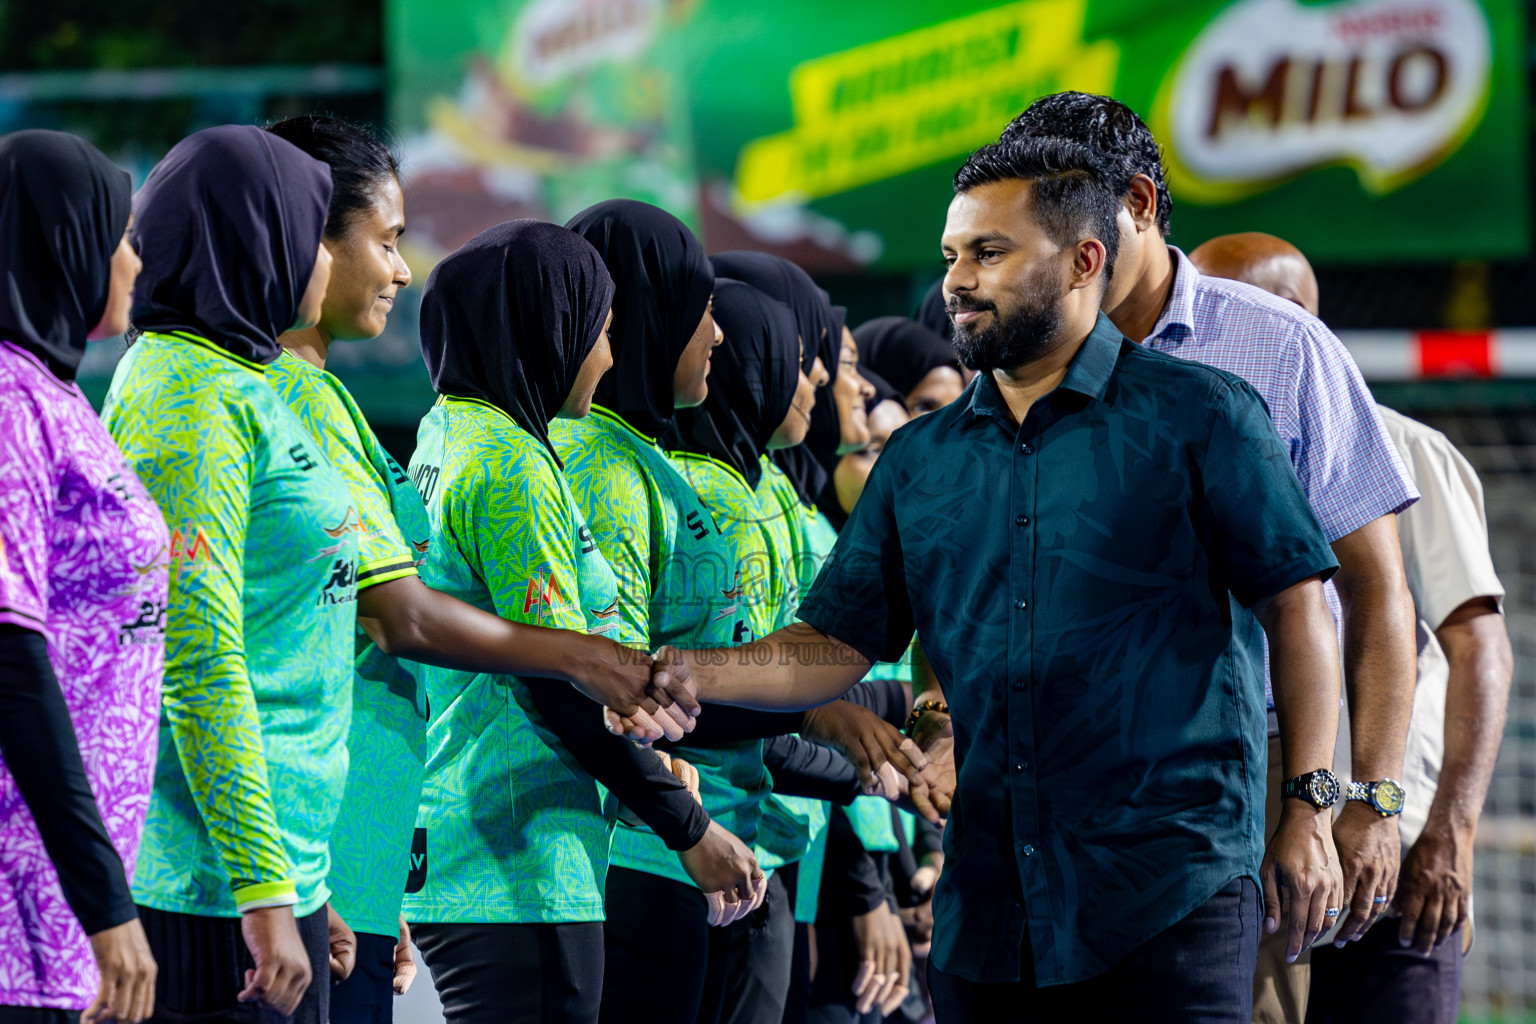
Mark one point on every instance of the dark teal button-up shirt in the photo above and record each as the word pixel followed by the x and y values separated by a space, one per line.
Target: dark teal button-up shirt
pixel 1071 581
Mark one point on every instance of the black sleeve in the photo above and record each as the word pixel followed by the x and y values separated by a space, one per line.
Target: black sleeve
pixel 850 880
pixel 885 697
pixel 37 741
pixel 804 768
pixel 635 775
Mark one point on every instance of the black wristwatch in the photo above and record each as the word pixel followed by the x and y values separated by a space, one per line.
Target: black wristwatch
pixel 1386 796
pixel 1319 788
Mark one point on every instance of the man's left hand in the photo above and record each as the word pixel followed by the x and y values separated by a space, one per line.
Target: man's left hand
pixel 1436 883
pixel 1369 849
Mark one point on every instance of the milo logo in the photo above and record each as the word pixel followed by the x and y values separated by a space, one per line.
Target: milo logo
pixel 1273 88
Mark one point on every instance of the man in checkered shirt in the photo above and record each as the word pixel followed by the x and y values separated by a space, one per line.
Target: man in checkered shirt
pixel 1351 471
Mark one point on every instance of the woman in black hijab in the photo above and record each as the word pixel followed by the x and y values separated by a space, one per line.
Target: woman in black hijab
pixel 917 362
pixel 83 549
pixel 260 619
pixel 815 319
pixel 514 332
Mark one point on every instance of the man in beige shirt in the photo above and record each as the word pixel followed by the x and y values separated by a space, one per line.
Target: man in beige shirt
pixel 1407 968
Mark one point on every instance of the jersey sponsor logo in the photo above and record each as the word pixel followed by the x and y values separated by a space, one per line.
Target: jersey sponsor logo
pixel 147 629
pixel 588 545
pixel 397 475
pixel 341 586
pixel 743 633
pixel 190 549
pixel 543 595
pixel 426 481
pixel 416 876
pixel 350 523
pixel 300 456
pixel 694 520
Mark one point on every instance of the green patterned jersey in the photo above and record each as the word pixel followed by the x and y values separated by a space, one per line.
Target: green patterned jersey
pixel 511 829
pixel 789 823
pixel 258 665
pixel 781 519
pixel 371 844
pixel 677 577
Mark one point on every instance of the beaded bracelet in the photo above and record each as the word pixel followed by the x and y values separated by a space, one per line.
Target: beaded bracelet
pixel 917 712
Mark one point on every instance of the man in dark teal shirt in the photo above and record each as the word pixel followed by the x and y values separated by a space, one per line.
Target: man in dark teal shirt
pixel 1067 540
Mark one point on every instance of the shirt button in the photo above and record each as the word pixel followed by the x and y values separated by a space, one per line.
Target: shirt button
pixel 1022 766
pixel 1022 520
pixel 1026 449
pixel 1021 605
pixel 1028 851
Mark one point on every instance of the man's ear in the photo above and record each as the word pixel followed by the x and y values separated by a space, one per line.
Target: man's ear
pixel 1088 263
pixel 1141 201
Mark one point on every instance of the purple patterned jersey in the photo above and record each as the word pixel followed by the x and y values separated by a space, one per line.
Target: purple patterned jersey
pixel 83 560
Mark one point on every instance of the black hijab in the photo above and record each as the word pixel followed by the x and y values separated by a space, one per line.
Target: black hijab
pixel 752 380
pixel 884 392
pixel 828 503
pixel 903 351
pixel 931 313
pixel 228 225
pixel 780 279
pixel 63 208
pixel 664 280
pixel 510 317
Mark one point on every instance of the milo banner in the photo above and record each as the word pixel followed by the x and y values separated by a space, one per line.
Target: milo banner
pixel 828 132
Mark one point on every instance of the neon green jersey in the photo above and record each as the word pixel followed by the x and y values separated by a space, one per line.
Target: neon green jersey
pixel 371 844
pixel 258 674
pixel 511 829
pixel 792 826
pixel 677 578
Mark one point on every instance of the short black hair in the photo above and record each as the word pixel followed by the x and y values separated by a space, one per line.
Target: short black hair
pixel 360 164
pixel 1119 139
pixel 1071 197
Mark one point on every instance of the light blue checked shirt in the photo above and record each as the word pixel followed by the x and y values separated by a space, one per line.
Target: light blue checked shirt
pixel 1348 466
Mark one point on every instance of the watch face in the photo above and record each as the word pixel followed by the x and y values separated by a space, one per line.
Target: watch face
pixel 1389 797
pixel 1323 788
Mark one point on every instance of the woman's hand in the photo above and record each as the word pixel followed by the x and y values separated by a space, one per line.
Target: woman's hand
pixel 127 990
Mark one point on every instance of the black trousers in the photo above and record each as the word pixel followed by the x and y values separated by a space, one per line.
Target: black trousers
pixel 37 1015
pixel 203 961
pixel 1199 971
pixel 368 994
pixel 515 973
pixel 1375 979
pixel 659 929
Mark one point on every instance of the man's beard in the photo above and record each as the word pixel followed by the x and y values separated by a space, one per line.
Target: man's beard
pixel 1023 336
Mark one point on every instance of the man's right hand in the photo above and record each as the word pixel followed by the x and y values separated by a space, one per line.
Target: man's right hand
pixel 1301 876
pixel 721 863
pixel 127 990
pixel 282 973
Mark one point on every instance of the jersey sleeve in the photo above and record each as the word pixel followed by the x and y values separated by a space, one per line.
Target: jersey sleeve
pixel 322 404
pixel 620 511
pixel 27 495
pixel 1348 466
pixel 198 463
pixel 511 523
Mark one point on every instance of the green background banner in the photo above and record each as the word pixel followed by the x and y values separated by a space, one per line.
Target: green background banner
pixel 828 132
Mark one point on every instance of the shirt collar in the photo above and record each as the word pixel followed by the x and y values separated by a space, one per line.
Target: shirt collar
pixel 1178 319
pixel 1088 374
